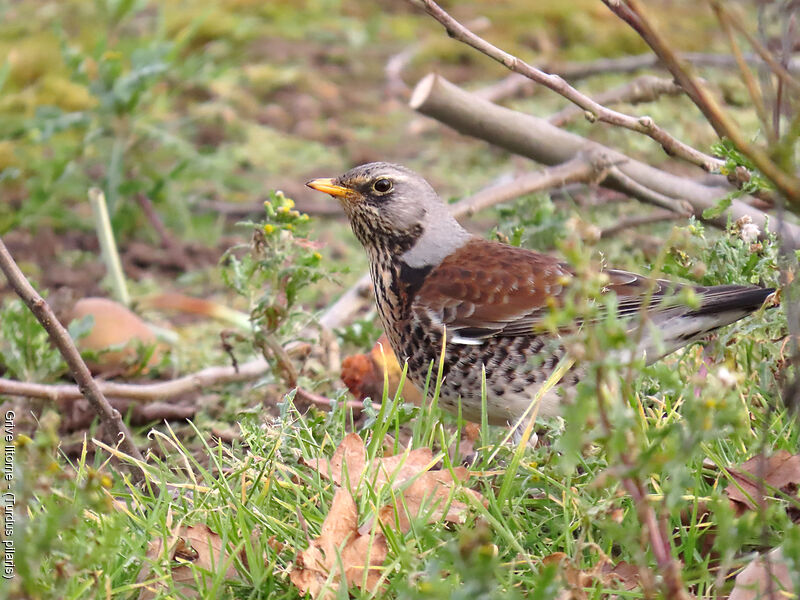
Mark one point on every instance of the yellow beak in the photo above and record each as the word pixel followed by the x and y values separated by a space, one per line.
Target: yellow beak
pixel 329 187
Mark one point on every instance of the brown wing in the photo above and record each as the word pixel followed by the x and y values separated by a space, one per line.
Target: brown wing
pixel 487 289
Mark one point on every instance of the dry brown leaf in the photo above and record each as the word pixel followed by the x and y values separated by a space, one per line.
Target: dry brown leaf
pixel 781 471
pixel 623 572
pixel 350 453
pixel 194 547
pixel 408 473
pixel 753 580
pixel 604 573
pixel 469 436
pixel 340 554
pixel 114 325
pixel 363 374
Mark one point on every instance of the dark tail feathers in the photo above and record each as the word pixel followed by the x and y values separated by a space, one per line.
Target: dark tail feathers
pixel 724 298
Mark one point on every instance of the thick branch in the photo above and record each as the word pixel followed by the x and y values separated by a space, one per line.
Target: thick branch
pixel 537 139
pixel 644 125
pixel 109 417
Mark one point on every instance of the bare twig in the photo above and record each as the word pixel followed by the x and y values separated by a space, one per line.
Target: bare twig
pixel 166 238
pixel 646 88
pixel 783 72
pixel 395 86
pixel 311 397
pixel 143 392
pixel 578 169
pixel 516 84
pixel 749 80
pixel 658 216
pixel 646 194
pixel 632 12
pixel 644 125
pixel 637 62
pixel 112 422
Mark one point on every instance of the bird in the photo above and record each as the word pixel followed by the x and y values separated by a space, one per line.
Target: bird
pixel 436 282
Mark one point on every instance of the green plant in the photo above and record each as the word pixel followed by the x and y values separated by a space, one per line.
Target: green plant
pixel 25 349
pixel 270 273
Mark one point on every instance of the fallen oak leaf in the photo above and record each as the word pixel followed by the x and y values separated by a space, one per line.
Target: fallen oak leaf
pixel 781 472
pixel 429 493
pixel 340 554
pixel 350 455
pixel 419 487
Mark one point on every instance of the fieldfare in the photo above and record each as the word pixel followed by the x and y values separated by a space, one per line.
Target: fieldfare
pixel 432 277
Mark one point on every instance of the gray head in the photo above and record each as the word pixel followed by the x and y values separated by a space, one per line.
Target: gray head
pixel 393 210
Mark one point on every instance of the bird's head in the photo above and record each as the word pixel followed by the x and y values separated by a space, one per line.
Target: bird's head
pixel 391 208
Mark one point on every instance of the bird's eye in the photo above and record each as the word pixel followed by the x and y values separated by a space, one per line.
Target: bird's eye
pixel 382 185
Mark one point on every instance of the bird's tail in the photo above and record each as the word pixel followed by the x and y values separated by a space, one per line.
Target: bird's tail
pixel 719 306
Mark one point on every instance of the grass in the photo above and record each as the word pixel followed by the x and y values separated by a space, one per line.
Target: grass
pixel 92 526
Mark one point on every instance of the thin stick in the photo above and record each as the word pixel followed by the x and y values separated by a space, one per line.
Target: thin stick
pixel 642 89
pixel 576 170
pixel 645 125
pixel 108 246
pixel 110 417
pixel 783 73
pixel 747 75
pixel 166 238
pixel 658 216
pixel 143 392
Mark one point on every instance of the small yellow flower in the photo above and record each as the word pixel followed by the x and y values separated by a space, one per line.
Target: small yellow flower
pixel 22 440
pixel 268 228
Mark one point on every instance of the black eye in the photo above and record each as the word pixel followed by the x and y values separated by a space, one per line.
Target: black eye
pixel 382 185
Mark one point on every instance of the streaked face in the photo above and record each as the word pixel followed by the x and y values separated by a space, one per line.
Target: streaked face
pixel 386 204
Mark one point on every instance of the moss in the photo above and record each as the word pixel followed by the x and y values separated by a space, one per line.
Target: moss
pixel 32 58
pixel 55 90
